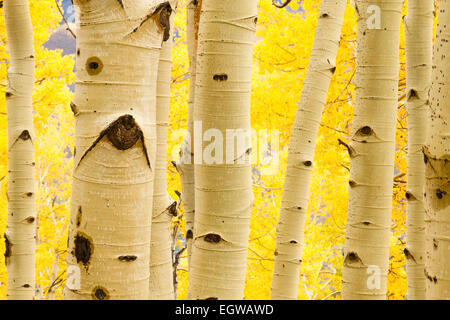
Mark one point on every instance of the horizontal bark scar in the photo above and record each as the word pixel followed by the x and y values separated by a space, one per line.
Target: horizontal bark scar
pixel 123 133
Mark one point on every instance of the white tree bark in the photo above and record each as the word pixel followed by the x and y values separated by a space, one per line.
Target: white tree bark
pixel 372 149
pixel 290 231
pixel 118 48
pixel 20 235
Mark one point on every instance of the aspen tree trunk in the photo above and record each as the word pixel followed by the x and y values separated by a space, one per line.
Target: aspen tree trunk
pixel 366 252
pixel 21 229
pixel 109 236
pixel 223 190
pixel 437 156
pixel 322 65
pixel 419 50
pixel 186 166
pixel 164 208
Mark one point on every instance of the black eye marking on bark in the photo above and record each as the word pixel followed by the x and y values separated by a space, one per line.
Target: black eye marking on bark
pixel 408 255
pixel 8 94
pixel 25 135
pixel 352 183
pixel 307 163
pixel 412 94
pixel 74 108
pixel 172 209
pixel 164 20
pixel 220 77
pixel 365 131
pixel 440 194
pixel 30 219
pixel 212 298
pixel 293 242
pixel 189 234
pixel 26 285
pixel 78 52
pixel 127 258
pixel 352 258
pixel 94 66
pixel 8 246
pixel 83 249
pixel 324 15
pixel 123 133
pixel 79 216
pixel 100 293
pixel 212 238
pixel 29 194
pixel 164 10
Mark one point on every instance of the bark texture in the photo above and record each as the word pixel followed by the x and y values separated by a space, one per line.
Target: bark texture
pixel 223 192
pixel 419 51
pixel 164 207
pixel 290 231
pixel 186 166
pixel 118 47
pixel 21 228
pixel 366 252
pixel 437 160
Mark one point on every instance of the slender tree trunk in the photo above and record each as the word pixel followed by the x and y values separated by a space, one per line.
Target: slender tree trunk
pixel 118 50
pixel 223 185
pixel 186 166
pixel 419 50
pixel 437 156
pixel 164 208
pixel 288 252
pixel 21 229
pixel 372 147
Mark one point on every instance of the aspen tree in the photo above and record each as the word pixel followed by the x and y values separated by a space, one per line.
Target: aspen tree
pixel 164 208
pixel 372 146
pixel 437 156
pixel 20 235
pixel 118 47
pixel 223 187
pixel 186 166
pixel 419 44
pixel 322 64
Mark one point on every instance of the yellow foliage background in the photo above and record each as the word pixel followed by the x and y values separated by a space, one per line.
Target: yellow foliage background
pixel 281 56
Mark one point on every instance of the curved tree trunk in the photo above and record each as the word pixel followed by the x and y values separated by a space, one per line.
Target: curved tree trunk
pixel 437 159
pixel 372 148
pixel 223 185
pixel 21 229
pixel 419 50
pixel 164 208
pixel 288 252
pixel 186 166
pixel 118 50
